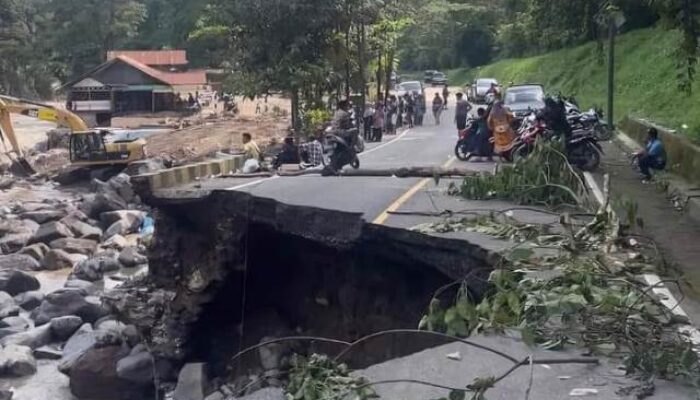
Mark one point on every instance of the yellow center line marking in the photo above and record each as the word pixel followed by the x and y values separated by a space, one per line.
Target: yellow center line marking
pixel 384 216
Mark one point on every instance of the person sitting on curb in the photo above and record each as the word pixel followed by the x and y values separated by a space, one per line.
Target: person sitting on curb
pixel 251 154
pixel 289 153
pixel 653 156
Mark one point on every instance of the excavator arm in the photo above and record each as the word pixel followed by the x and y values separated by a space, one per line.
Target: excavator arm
pixel 12 105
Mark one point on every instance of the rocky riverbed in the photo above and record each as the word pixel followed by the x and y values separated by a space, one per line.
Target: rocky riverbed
pixel 61 249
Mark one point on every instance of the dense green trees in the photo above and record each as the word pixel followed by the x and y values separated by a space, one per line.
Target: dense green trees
pixel 311 47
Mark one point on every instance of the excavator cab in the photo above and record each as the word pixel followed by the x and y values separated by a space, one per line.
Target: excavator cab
pixel 91 148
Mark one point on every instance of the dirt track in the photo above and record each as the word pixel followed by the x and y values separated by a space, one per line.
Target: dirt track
pixel 197 141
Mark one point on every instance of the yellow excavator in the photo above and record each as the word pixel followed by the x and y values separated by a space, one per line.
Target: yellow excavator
pixel 88 148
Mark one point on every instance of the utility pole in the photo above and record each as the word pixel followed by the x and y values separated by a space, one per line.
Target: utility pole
pixel 611 17
pixel 612 32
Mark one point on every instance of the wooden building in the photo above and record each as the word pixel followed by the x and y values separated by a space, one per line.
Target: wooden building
pixel 125 84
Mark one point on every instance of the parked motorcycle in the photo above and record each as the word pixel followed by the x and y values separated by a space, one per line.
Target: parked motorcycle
pixel 462 148
pixel 588 120
pixel 582 148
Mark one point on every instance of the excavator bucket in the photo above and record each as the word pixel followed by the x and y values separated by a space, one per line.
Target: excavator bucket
pixel 25 166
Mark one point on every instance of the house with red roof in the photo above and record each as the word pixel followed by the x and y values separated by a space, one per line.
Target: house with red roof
pixel 134 81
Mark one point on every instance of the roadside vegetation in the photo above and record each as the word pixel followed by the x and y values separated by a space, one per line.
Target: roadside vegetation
pixel 646 85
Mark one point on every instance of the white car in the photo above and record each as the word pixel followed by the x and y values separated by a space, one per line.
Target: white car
pixel 409 87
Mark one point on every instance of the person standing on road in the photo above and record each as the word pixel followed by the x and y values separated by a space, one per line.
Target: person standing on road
pixel 500 123
pixel 420 108
pixel 462 108
pixel 438 105
pixel 401 111
pixel 653 156
pixel 410 109
pixel 379 120
pixel 445 95
pixel 391 109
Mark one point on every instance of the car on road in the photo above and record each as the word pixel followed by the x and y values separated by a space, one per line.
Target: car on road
pixel 428 75
pixel 477 91
pixel 409 87
pixel 439 79
pixel 521 100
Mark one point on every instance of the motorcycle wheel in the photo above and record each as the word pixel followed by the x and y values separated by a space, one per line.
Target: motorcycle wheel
pixel 602 132
pixel 460 151
pixel 588 158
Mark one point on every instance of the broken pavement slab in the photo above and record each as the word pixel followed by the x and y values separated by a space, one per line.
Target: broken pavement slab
pixel 431 365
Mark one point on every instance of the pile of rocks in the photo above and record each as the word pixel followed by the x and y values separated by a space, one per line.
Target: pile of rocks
pixel 87 237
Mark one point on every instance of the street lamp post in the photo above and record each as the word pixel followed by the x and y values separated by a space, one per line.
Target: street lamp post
pixel 615 20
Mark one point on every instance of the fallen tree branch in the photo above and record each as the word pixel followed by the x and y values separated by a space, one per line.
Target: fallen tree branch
pixel 403 172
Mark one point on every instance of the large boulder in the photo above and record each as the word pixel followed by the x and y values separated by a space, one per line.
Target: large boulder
pixel 81 341
pixel 137 367
pixel 133 218
pixel 192 383
pixel 6 300
pixel 17 361
pixel 19 262
pixel 75 246
pixel 117 242
pixel 118 228
pixel 82 229
pixel 85 287
pixel 15 234
pixel 64 327
pixel 47 353
pixel 33 338
pixel 88 270
pixel 67 302
pixel 12 242
pixel 94 375
pixel 130 257
pixel 122 185
pixel 14 322
pixel 36 251
pixel 43 216
pixel 95 204
pixel 29 300
pixel 15 282
pixel 93 269
pixel 51 231
pixel 59 259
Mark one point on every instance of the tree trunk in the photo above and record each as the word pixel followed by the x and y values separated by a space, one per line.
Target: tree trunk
pixel 389 69
pixel 347 63
pixel 361 57
pixel 379 76
pixel 296 125
pixel 403 172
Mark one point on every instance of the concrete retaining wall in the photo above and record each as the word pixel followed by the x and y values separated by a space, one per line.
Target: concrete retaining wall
pixel 683 156
pixel 185 174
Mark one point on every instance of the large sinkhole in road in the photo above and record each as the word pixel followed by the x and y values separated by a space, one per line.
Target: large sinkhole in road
pixel 294 286
pixel 285 270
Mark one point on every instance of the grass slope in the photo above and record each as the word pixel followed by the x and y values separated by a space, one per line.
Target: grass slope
pixel 646 83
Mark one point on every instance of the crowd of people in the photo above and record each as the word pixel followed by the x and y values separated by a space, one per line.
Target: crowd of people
pixel 386 117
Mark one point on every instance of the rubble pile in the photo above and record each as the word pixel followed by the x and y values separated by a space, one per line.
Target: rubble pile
pixel 89 238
